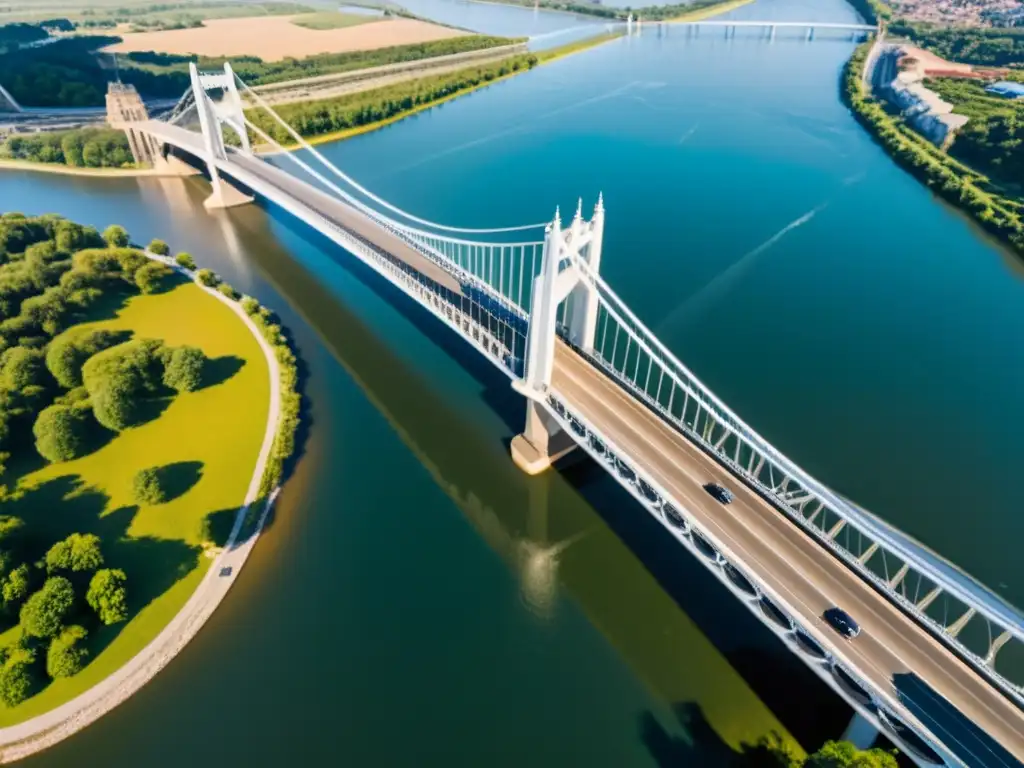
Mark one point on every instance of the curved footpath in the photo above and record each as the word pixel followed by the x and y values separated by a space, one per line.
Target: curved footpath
pixel 40 732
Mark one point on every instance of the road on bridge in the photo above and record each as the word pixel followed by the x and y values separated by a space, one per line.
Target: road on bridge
pixel 942 691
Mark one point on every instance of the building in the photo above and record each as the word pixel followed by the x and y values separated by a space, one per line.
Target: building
pixel 1007 89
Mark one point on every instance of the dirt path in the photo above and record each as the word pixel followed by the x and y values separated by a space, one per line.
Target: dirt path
pixel 23 739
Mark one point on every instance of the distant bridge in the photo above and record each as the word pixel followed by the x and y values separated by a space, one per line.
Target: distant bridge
pixel 530 299
pixel 770 27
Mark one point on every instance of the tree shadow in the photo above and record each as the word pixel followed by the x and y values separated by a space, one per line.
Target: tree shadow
pixel 217 526
pixel 150 409
pixel 217 370
pixel 178 478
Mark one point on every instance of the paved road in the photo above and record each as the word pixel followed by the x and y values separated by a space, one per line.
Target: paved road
pixel 892 651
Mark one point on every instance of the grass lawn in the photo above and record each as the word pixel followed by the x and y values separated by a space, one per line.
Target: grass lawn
pixel 212 436
pixel 333 20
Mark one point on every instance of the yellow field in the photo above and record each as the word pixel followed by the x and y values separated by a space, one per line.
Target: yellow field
pixel 273 38
pixel 214 434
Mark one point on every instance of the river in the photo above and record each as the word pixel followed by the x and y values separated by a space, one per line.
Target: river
pixel 418 601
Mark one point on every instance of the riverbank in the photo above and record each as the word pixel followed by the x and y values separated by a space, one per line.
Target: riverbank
pixel 33 735
pixel 543 57
pixel 72 170
pixel 706 13
pixel 951 180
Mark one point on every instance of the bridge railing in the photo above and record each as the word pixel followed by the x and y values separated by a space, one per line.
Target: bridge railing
pixel 969 618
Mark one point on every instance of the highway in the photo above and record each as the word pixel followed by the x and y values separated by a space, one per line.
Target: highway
pixel 893 651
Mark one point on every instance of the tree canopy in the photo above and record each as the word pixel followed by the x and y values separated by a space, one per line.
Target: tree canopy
pixel 78 552
pixel 67 653
pixel 108 595
pixel 43 613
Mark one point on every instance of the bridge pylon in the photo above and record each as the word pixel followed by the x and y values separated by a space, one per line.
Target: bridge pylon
pixel 560 284
pixel 212 119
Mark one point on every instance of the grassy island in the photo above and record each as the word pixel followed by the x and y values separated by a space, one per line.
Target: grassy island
pixel 133 413
pixel 992 206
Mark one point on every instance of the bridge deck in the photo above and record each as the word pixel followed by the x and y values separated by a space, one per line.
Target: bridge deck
pixel 892 650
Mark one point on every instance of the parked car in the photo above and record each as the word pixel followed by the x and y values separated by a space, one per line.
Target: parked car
pixel 723 495
pixel 842 622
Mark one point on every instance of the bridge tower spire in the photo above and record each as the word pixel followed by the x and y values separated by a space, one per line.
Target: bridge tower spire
pixel 212 117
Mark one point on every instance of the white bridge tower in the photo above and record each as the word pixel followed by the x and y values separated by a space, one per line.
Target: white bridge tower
pixel 212 117
pixel 561 279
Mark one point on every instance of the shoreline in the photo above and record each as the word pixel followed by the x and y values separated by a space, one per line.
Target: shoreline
pixel 707 13
pixel 348 133
pixel 36 734
pixel 75 170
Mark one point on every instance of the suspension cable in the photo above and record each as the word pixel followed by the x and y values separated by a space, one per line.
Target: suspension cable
pixel 379 200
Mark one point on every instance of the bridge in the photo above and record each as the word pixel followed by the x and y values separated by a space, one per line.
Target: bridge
pixel 595 379
pixel 769 27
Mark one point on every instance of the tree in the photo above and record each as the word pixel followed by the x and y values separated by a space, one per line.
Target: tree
pixel 43 613
pixel 67 653
pixel 67 353
pixel 843 754
pixel 159 247
pixel 185 260
pixel 78 552
pixel 115 235
pixel 207 277
pixel 147 487
pixel 107 595
pixel 184 369
pixel 16 679
pixel 60 433
pixel 22 367
pixel 16 586
pixel 119 378
pixel 150 278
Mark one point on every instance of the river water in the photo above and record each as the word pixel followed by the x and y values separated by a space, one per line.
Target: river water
pixel 418 601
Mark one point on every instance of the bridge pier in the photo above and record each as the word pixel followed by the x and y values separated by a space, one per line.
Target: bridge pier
pixel 861 732
pixel 225 194
pixel 541 443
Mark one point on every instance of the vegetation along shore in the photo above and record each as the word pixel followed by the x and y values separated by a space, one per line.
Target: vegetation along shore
pixel 146 411
pixel 988 203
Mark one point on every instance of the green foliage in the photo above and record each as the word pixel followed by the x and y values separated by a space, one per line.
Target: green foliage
pixel 16 586
pixel 207 277
pixel 61 433
pixel 228 291
pixel 16 678
pixel 842 754
pixel 314 118
pixel 185 260
pixel 152 277
pixel 148 486
pixel 108 595
pixel 947 177
pixel 79 147
pixel 67 653
pixel 44 612
pixel 184 369
pixel 159 247
pixel 119 378
pixel 77 553
pixel 21 367
pixel 116 236
pixel 66 354
pixel 984 46
pixel 249 305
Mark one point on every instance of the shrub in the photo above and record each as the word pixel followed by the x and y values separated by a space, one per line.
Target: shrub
pixel 108 596
pixel 207 277
pixel 116 236
pixel 185 260
pixel 78 552
pixel 228 291
pixel 151 277
pixel 147 487
pixel 249 305
pixel 67 653
pixel 22 367
pixel 60 433
pixel 184 369
pixel 43 613
pixel 66 354
pixel 16 586
pixel 159 247
pixel 16 678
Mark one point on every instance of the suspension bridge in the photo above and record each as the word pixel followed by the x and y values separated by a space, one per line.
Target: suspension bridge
pixel 594 378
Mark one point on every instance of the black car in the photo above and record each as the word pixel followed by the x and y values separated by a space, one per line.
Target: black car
pixel 842 622
pixel 724 495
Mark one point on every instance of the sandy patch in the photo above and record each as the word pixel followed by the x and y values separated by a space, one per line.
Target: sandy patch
pixel 929 61
pixel 273 38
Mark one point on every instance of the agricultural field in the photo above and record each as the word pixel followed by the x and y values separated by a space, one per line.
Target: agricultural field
pixel 273 38
pixel 333 20
pixel 127 15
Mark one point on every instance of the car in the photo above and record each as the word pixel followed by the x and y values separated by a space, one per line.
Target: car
pixel 225 571
pixel 842 622
pixel 724 495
